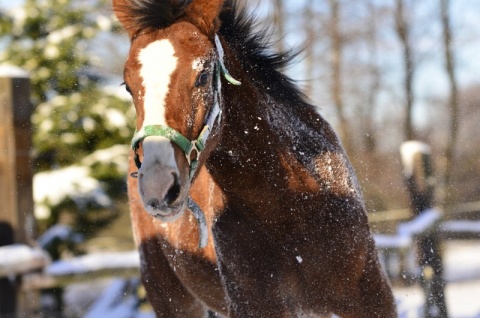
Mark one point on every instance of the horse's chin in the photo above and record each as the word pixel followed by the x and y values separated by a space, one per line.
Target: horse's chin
pixel 167 214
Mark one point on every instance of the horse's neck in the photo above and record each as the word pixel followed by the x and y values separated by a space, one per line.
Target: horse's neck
pixel 271 150
pixel 254 118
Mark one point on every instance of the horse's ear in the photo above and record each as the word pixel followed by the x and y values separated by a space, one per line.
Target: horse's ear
pixel 123 12
pixel 204 14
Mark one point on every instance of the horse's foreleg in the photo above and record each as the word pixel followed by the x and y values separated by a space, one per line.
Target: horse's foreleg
pixel 375 296
pixel 166 293
pixel 248 270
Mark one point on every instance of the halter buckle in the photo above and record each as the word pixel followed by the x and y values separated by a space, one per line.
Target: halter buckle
pixel 189 153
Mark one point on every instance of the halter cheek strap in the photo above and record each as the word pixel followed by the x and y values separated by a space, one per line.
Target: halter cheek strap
pixel 221 62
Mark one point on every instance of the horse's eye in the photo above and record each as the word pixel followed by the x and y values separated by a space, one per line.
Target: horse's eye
pixel 127 88
pixel 202 80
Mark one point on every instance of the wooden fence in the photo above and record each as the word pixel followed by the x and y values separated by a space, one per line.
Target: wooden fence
pixel 422 235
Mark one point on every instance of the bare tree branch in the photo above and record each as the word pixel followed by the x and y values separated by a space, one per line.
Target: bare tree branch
pixel 308 14
pixel 279 20
pixel 375 78
pixel 336 71
pixel 403 33
pixel 453 100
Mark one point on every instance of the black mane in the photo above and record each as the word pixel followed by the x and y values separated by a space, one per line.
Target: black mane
pixel 156 14
pixel 254 51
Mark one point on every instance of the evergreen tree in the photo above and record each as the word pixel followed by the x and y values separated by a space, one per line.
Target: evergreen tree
pixel 73 116
pixel 74 113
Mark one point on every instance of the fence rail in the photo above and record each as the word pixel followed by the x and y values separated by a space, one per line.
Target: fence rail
pixel 461 211
pixel 397 250
pixel 85 268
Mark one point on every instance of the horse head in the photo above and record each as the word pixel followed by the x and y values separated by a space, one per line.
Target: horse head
pixel 172 73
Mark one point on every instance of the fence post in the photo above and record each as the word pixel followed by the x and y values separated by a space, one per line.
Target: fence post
pixel 419 178
pixel 16 193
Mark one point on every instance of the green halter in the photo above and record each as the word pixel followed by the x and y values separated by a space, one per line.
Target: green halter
pixel 177 138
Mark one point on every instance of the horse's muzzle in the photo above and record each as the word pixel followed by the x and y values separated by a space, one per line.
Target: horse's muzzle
pixel 159 182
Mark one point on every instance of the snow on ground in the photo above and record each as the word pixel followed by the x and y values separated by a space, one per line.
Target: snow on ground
pixel 462 272
pixel 462 300
pixel 462 261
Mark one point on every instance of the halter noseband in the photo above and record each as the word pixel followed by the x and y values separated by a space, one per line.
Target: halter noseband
pixel 189 146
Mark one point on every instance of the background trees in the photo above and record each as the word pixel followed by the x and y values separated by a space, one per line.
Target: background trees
pixel 381 71
pixel 453 101
pixel 388 71
pixel 77 109
pixel 74 114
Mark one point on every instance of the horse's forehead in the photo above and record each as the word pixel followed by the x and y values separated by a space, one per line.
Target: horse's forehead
pixel 154 60
pixel 186 41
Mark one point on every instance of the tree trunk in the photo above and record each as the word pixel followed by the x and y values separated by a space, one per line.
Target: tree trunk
pixel 453 102
pixel 279 20
pixel 369 139
pixel 308 14
pixel 336 72
pixel 403 33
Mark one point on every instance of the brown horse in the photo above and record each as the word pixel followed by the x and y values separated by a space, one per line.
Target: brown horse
pixel 245 202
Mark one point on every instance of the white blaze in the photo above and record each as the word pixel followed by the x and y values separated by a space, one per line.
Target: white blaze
pixel 158 62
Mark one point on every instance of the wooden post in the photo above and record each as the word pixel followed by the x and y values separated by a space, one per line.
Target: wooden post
pixel 16 175
pixel 419 177
pixel 16 193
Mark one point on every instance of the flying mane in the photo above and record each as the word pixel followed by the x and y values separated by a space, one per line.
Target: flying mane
pixel 253 49
pixel 152 15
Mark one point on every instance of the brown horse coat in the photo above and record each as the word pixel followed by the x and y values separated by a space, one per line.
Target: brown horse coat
pixel 288 230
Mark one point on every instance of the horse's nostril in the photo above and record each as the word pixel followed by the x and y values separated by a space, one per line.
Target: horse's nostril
pixel 154 204
pixel 174 190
